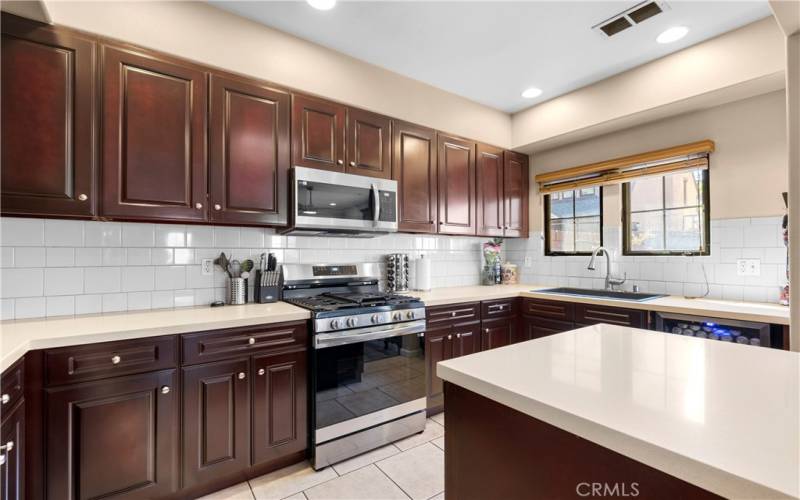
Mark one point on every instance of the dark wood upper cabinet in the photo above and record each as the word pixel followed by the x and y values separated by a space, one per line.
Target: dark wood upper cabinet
pixel 114 438
pixel 154 129
pixel 456 171
pixel 48 121
pixel 280 415
pixel 318 133
pixel 369 141
pixel 216 420
pixel 414 169
pixel 515 182
pixel 490 199
pixel 249 152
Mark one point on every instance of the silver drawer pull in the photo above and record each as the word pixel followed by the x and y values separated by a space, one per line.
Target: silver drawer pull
pixel 2 459
pixel 458 335
pixel 7 447
pixel 165 389
pixel 83 197
pixel 449 337
pixel 241 375
pixel 453 314
pixel 115 359
pixel 251 341
pixel 261 371
pixel 5 398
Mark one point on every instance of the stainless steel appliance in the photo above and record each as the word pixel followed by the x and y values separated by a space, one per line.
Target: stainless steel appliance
pixel 333 203
pixel 368 359
pixel 397 272
pixel 725 330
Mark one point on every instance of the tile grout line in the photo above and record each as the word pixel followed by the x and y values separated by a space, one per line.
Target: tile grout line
pixel 392 480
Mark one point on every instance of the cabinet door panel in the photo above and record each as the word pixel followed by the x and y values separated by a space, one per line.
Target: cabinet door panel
pixel 534 328
pixel 216 420
pixel 414 169
pixel 115 437
pixel 456 170
pixel 369 142
pixel 249 152
pixel 466 339
pixel 154 163
pixel 437 348
pixel 12 469
pixel 280 415
pixel 318 128
pixel 48 120
pixel 516 194
pixel 497 333
pixel 489 187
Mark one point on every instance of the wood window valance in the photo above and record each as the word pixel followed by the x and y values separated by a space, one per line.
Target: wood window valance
pixel 685 157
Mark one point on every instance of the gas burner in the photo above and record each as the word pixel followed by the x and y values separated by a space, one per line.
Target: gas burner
pixel 334 301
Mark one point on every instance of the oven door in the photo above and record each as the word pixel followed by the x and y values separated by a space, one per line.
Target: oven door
pixel 343 202
pixel 365 378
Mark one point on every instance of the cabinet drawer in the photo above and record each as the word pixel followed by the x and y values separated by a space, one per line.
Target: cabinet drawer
pixel 453 313
pixel 586 314
pixel 501 308
pixel 534 328
pixel 13 385
pixel 109 359
pixel 220 344
pixel 561 311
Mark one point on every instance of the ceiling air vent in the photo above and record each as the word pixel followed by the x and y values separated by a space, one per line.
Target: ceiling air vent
pixel 630 17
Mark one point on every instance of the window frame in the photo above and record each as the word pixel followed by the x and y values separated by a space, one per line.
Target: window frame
pixel 705 223
pixel 547 220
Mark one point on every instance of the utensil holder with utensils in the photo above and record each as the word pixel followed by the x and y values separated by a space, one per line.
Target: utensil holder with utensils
pixel 238 291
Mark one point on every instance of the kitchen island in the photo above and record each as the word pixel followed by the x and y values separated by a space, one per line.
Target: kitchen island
pixel 615 411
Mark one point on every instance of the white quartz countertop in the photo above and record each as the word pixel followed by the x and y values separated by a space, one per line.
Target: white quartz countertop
pixel 20 336
pixel 726 309
pixel 725 417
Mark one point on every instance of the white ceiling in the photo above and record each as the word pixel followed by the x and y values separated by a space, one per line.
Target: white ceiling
pixel 491 51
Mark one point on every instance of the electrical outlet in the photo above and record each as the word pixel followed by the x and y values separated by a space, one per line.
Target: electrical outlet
pixel 528 261
pixel 207 267
pixel 748 267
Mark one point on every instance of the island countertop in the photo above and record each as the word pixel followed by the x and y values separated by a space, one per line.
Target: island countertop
pixel 724 417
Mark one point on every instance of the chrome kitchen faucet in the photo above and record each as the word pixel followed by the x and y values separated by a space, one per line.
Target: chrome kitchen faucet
pixel 611 281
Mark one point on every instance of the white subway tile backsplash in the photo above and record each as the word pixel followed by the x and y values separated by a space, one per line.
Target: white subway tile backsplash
pixel 761 235
pixel 21 232
pixel 184 298
pixel 138 278
pixel 253 237
pixel 114 256
pixel 138 301
pixel 30 307
pixel 88 304
pixel 6 309
pixel 60 257
pixel 29 257
pixel 102 279
pixel 170 235
pixel 162 256
pixel 21 282
pixel 226 237
pixel 63 281
pixel 103 234
pixel 88 257
pixel 138 257
pixel 162 299
pixel 196 279
pixel 199 236
pixel 60 306
pixel 183 256
pixel 170 278
pixel 138 235
pixel 63 233
pixel 6 256
pixel 115 302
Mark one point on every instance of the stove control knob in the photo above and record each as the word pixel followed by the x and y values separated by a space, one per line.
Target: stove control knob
pixel 335 324
pixel 375 318
pixel 410 315
pixel 397 316
pixel 351 322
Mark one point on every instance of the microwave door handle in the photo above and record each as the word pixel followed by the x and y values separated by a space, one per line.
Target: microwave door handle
pixel 376 213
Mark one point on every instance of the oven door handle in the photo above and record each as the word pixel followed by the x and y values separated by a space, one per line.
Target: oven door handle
pixel 323 340
pixel 376 213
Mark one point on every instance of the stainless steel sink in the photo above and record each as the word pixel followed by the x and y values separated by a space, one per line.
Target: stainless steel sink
pixel 601 294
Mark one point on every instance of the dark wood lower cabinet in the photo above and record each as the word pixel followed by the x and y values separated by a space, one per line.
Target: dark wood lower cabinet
pixel 497 332
pixel 114 438
pixel 466 339
pixel 437 348
pixel 533 328
pixel 280 415
pixel 12 461
pixel 216 420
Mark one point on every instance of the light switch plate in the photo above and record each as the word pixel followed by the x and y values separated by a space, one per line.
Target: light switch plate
pixel 207 267
pixel 748 267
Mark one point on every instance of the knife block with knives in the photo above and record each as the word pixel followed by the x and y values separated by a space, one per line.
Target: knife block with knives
pixel 269 280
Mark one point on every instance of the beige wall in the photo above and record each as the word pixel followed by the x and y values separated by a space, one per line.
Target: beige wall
pixel 200 32
pixel 748 59
pixel 748 169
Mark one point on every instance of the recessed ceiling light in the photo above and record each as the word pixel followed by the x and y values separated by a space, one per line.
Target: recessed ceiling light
pixel 322 4
pixel 673 34
pixel 531 93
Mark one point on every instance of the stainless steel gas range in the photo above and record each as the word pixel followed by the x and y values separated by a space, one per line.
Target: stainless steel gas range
pixel 368 359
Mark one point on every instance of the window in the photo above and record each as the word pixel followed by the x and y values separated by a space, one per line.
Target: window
pixel 666 215
pixel 573 221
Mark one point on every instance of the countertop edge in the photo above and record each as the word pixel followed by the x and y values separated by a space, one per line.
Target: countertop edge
pixel 686 468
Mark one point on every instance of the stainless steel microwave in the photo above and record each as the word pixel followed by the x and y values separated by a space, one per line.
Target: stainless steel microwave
pixel 333 203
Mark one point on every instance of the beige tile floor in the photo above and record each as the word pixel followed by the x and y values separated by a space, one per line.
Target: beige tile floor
pixel 412 468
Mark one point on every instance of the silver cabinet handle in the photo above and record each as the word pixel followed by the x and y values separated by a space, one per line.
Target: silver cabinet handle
pixel 453 314
pixel 449 337
pixel 486 330
pixel 115 359
pixel 7 447
pixel 2 459
pixel 83 197
pixel 198 206
pixel 251 341
pixel 261 371
pixel 217 206
pixel 165 389
pixel 458 335
pixel 241 375
pixel 340 162
pixel 5 398
pixel 352 164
